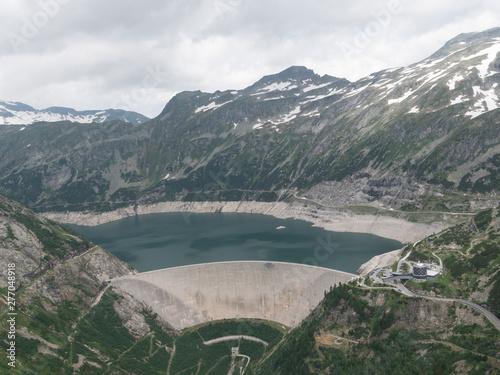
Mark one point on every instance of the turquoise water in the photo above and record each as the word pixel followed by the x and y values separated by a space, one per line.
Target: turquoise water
pixel 156 241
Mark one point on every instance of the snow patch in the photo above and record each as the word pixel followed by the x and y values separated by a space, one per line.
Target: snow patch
pixel 258 125
pixel 433 76
pixel 275 98
pixel 281 86
pixel 488 101
pixel 491 53
pixel 452 82
pixel 459 99
pixel 400 99
pixel 312 113
pixel 211 106
pixel 357 91
pixel 331 92
pixel 315 87
pixel 414 110
pixel 288 117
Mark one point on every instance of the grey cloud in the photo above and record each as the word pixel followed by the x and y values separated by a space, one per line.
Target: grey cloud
pixel 91 52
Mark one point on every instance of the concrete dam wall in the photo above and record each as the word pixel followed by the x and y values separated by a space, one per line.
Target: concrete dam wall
pixel 189 295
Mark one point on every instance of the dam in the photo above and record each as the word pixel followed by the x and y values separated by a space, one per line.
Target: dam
pixel 189 295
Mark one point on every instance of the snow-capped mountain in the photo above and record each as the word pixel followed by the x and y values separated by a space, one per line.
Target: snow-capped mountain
pixel 15 113
pixel 465 72
pixel 389 138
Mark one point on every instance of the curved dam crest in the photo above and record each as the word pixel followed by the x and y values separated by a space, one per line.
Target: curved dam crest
pixel 190 295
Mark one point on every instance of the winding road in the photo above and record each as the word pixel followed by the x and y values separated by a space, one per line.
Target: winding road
pixel 488 314
pixel 404 290
pixel 236 337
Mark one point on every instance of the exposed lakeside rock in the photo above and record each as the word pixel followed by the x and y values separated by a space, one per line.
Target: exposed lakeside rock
pixel 379 261
pixel 329 219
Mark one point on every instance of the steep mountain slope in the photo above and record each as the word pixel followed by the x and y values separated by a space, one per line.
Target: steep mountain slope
pixel 66 318
pixel 15 113
pixel 395 137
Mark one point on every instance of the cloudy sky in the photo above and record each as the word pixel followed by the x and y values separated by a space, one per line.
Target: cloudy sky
pixel 135 55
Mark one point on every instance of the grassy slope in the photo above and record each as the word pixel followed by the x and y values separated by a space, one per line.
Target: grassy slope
pixel 380 331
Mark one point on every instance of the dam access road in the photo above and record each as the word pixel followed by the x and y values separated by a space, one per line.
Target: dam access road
pixel 190 295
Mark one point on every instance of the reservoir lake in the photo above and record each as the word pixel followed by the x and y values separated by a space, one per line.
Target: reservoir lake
pixel 156 241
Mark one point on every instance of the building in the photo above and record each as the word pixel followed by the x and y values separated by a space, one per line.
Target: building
pixel 419 271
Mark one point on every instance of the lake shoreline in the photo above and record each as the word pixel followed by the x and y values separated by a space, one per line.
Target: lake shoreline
pixel 328 219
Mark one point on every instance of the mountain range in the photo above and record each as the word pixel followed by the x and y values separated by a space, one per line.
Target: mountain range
pixel 421 136
pixel 15 113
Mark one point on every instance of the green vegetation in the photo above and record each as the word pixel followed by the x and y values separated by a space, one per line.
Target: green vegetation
pixel 450 202
pixel 460 234
pixel 494 297
pixel 382 348
pixel 483 219
pixel 192 354
pixel 102 328
pixel 10 233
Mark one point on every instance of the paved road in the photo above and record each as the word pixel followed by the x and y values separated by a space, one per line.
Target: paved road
pixel 488 314
pixel 386 208
pixel 403 260
pixel 404 290
pixel 440 261
pixel 236 337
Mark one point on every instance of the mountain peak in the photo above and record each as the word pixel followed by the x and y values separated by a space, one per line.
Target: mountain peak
pixel 291 73
pixel 298 72
pixel 465 40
